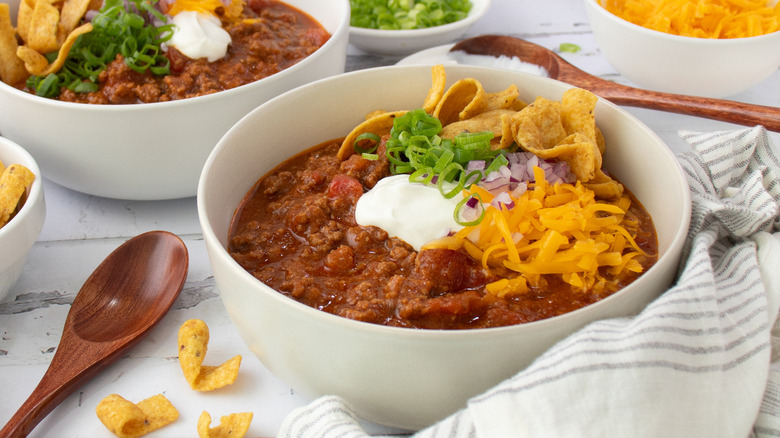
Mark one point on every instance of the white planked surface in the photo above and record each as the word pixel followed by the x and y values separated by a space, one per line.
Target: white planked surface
pixel 80 230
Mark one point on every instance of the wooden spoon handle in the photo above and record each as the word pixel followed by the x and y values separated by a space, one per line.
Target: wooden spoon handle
pixel 41 401
pixel 57 384
pixel 716 109
pixel 72 365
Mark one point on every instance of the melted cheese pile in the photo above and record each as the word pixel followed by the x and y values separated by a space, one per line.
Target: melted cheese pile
pixel 554 229
pixel 700 18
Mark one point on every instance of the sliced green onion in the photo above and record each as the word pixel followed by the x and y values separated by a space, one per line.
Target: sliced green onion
pixel 407 14
pixel 459 206
pixel 424 175
pixel 415 144
pixel 498 161
pixel 48 85
pixel 568 48
pixel 452 171
pixel 117 28
pixel 366 136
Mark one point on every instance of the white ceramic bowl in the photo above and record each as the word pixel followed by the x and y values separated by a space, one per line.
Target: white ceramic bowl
pixel 19 234
pixel 154 151
pixel 396 376
pixel 403 42
pixel 683 65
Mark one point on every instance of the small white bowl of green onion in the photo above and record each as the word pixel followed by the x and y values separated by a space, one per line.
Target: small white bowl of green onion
pixel 401 27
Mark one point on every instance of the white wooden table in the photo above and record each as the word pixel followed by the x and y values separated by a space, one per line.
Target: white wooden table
pixel 80 230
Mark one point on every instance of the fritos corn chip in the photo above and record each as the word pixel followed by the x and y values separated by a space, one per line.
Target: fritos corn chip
pixel 36 64
pixel 14 181
pixel 23 18
pixel 70 16
pixel 230 426
pixel 463 100
pixel 44 26
pixel 379 124
pixel 438 85
pixel 193 344
pixel 129 420
pixel 42 33
pixel 487 121
pixel 11 67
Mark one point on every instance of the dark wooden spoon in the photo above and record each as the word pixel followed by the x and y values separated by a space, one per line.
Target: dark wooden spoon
pixel 119 303
pixel 558 68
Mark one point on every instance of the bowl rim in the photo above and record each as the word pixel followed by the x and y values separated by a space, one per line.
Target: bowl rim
pixel 35 191
pixel 676 241
pixel 341 31
pixel 479 8
pixel 596 7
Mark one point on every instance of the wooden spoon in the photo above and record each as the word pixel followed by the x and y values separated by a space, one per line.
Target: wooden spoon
pixel 558 68
pixel 119 303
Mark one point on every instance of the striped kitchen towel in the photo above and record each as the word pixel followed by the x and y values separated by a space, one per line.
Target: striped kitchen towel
pixel 703 360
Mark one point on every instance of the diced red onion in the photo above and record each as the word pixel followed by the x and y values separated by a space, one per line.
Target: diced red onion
pixel 513 178
pixel 503 199
pixel 476 165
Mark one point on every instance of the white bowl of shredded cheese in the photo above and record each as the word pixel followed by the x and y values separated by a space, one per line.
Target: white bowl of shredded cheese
pixel 697 66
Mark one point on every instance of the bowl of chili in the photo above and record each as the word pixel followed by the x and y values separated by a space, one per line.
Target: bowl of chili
pixel 145 136
pixel 394 373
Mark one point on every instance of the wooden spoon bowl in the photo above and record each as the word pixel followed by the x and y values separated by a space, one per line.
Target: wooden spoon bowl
pixel 557 68
pixel 121 301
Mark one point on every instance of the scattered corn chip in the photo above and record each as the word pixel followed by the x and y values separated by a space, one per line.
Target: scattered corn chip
pixel 193 344
pixel 128 420
pixel 14 181
pixel 230 426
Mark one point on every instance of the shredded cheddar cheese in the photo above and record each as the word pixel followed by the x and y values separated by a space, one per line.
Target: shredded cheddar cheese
pixel 700 18
pixel 559 229
pixel 203 6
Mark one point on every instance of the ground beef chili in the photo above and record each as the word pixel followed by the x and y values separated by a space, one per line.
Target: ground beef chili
pixel 272 37
pixel 296 231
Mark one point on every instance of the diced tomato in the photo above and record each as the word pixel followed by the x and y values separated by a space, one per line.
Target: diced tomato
pixel 317 36
pixel 345 186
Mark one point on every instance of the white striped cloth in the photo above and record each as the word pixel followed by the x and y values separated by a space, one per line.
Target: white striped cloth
pixel 702 360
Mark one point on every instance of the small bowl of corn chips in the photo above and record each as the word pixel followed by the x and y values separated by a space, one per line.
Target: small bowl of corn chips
pixel 708 48
pixel 22 211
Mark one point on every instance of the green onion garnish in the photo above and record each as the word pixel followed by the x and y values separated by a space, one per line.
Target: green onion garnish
pixel 415 147
pixel 116 29
pixel 366 137
pixel 407 14
pixel 457 214
pixel 568 48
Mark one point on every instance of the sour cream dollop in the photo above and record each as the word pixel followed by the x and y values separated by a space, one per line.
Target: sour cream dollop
pixel 413 212
pixel 199 35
